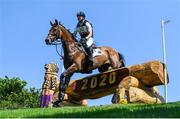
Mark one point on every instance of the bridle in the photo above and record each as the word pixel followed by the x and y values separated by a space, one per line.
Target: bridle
pixel 58 41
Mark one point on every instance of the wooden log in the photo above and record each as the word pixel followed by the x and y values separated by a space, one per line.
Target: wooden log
pixel 132 89
pixel 150 73
pixel 102 84
pixel 143 96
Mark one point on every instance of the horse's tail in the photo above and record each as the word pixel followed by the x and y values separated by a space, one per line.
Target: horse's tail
pixel 121 59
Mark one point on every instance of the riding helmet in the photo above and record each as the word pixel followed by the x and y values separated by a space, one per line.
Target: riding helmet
pixel 81 14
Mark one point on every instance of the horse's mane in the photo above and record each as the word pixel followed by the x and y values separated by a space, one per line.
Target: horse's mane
pixel 68 32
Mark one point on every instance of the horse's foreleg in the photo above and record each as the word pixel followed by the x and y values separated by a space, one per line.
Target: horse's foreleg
pixel 69 71
pixel 64 81
pixel 62 88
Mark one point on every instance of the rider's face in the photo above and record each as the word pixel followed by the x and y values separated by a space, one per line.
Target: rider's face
pixel 80 18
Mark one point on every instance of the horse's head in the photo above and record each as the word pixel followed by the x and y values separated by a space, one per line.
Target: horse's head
pixel 54 34
pixel 58 31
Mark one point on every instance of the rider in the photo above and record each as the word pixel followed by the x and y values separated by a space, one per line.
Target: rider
pixel 85 30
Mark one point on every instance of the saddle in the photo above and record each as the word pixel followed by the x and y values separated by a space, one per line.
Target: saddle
pixel 96 51
pixel 89 62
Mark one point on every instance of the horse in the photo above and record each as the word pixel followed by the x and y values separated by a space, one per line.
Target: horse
pixel 75 59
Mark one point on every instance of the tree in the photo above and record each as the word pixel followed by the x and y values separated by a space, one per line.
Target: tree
pixel 13 94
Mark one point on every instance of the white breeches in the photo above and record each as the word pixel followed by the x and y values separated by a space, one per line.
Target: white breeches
pixel 90 41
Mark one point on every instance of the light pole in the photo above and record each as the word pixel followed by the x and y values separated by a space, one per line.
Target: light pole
pixel 163 22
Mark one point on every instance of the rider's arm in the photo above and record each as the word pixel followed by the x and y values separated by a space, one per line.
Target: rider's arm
pixel 89 30
pixel 75 32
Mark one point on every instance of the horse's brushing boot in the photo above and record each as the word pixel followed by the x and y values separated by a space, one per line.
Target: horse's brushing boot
pixel 56 104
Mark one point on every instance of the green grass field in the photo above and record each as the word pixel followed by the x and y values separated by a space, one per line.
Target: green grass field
pixel 115 110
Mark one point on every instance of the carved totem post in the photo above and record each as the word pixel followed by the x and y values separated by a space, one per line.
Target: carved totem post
pixel 50 89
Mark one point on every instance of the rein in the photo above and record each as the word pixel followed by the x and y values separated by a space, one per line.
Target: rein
pixel 59 53
pixel 58 42
pixel 61 56
pixel 56 46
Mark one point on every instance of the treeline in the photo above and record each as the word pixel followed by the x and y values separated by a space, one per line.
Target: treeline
pixel 13 94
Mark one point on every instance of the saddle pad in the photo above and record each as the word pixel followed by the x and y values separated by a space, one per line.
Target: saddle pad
pixel 97 52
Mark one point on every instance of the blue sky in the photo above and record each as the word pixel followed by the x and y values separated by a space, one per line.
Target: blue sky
pixel 130 26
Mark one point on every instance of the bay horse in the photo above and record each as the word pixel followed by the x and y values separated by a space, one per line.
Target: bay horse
pixel 75 59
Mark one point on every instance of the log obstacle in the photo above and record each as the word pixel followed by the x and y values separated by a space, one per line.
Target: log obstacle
pixel 128 84
pixel 103 84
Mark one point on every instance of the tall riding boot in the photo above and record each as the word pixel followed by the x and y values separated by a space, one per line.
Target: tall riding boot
pixel 90 55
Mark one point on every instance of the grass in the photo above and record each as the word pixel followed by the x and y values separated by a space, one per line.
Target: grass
pixel 115 110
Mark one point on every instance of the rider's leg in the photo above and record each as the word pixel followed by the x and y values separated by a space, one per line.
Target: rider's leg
pixel 89 51
pixel 87 48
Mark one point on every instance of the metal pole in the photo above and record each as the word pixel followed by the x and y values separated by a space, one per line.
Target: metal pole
pixel 164 57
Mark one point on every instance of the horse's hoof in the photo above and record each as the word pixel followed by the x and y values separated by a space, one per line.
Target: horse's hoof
pixel 56 104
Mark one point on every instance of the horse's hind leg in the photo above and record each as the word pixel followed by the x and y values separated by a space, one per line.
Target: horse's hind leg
pixel 104 68
pixel 116 59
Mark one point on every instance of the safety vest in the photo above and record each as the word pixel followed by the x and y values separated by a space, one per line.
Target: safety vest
pixel 83 29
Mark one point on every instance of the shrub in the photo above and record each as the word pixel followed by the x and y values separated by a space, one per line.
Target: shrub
pixel 13 94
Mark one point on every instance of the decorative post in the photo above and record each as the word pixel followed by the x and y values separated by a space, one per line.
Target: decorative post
pixel 49 85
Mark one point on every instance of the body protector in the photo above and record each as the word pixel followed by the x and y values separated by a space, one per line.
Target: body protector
pixel 83 28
